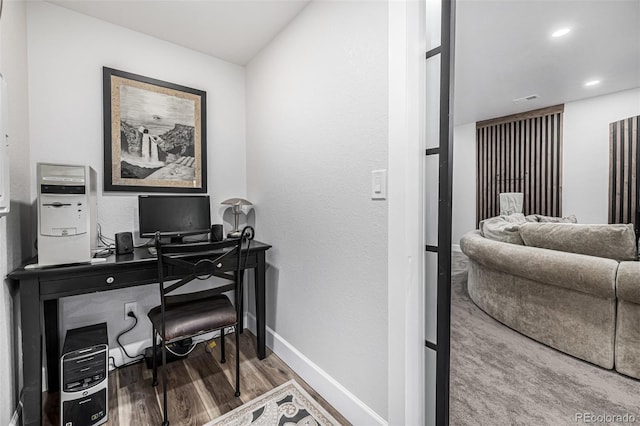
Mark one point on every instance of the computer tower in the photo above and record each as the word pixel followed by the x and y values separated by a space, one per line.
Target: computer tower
pixel 84 374
pixel 67 230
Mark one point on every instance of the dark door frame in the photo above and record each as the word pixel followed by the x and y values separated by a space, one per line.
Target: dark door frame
pixel 445 184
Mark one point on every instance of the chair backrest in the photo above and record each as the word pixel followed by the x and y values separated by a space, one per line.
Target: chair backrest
pixel 200 260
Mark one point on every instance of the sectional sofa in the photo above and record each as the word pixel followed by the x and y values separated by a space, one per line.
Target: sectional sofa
pixel 571 286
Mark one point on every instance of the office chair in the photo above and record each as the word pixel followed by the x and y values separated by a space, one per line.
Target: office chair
pixel 190 314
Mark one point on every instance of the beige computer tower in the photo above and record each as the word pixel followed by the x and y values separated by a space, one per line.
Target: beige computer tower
pixel 67 231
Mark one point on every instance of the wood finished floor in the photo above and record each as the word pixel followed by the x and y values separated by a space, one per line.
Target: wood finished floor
pixel 200 389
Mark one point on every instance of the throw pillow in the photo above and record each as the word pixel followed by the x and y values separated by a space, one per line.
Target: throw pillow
pixel 552 219
pixel 503 228
pixel 616 241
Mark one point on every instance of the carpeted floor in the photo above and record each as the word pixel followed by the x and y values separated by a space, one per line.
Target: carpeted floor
pixel 501 377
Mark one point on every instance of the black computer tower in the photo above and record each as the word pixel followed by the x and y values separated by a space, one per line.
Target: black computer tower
pixel 84 375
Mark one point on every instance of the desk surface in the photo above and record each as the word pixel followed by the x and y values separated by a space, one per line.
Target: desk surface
pixel 140 256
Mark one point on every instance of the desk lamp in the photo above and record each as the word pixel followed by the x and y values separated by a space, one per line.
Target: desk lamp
pixel 236 204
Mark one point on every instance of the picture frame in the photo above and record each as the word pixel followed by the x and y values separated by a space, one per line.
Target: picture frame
pixel 155 135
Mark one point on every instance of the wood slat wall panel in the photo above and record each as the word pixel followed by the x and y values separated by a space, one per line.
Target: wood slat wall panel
pixel 623 171
pixel 521 154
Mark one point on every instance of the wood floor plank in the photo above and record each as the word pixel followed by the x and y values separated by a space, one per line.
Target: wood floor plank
pixel 252 384
pixel 113 404
pixel 200 389
pixel 136 402
pixel 211 384
pixel 183 402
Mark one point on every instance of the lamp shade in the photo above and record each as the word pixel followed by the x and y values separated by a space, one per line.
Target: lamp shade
pixel 237 202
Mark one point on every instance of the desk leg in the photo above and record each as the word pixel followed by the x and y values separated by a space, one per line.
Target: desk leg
pixel 52 343
pixel 259 282
pixel 31 351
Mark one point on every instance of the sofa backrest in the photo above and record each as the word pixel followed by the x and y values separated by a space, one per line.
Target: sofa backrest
pixel 614 241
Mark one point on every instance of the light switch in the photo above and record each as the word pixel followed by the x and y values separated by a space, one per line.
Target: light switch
pixel 379 185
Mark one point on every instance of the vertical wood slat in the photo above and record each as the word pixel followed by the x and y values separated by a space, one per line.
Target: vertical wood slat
pixel 520 155
pixel 624 159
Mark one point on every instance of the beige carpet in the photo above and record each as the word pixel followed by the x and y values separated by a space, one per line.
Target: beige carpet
pixel 501 377
pixel 288 404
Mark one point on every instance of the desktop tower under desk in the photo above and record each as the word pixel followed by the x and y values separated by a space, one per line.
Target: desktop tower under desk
pixel 40 290
pixel 84 368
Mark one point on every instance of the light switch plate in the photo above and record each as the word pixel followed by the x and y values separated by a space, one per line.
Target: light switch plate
pixel 378 184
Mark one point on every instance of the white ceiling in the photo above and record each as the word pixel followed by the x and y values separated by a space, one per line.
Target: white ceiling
pixel 232 30
pixel 504 51
pixel 503 48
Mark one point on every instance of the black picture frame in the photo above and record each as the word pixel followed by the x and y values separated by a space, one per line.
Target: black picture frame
pixel 155 135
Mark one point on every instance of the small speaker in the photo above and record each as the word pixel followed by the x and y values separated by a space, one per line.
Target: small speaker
pixel 216 233
pixel 124 243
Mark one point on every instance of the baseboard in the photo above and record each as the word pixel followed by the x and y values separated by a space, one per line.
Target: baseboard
pixel 456 248
pixel 356 411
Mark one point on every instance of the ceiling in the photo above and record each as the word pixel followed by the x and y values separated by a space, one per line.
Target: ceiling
pixel 504 51
pixel 503 48
pixel 232 30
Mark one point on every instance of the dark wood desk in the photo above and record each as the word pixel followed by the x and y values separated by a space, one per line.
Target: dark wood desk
pixel 40 290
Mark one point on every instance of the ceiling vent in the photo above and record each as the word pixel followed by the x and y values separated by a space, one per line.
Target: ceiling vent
pixel 525 99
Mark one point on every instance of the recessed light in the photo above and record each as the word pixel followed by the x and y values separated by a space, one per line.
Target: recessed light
pixel 525 99
pixel 592 83
pixel 561 32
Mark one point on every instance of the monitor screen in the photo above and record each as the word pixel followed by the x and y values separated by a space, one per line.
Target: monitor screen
pixel 173 215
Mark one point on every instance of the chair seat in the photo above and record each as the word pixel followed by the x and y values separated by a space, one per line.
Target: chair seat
pixel 192 317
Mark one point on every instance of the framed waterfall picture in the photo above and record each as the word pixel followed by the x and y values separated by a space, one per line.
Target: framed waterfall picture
pixel 155 136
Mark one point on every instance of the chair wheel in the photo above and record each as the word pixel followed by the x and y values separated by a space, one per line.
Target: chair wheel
pixel 237 393
pixel 165 423
pixel 154 384
pixel 223 361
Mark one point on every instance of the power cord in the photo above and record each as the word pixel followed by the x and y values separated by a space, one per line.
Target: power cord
pixel 107 243
pixel 193 346
pixel 136 358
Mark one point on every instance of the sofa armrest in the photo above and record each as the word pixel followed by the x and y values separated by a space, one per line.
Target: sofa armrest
pixel 587 274
pixel 628 282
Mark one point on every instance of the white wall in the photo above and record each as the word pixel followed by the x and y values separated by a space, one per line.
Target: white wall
pixel 317 124
pixel 585 140
pixel 66 54
pixel 585 174
pixel 464 178
pixel 14 229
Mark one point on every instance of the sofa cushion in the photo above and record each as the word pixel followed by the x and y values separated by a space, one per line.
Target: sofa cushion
pixel 616 241
pixel 628 282
pixel 503 228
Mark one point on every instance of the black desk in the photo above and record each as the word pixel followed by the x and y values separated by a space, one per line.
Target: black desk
pixel 47 285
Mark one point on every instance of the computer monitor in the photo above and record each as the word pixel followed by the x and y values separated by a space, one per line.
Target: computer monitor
pixel 173 215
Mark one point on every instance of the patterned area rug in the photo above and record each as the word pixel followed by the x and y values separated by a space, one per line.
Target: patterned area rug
pixel 288 404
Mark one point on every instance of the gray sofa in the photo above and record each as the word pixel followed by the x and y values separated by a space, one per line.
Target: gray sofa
pixel 573 287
